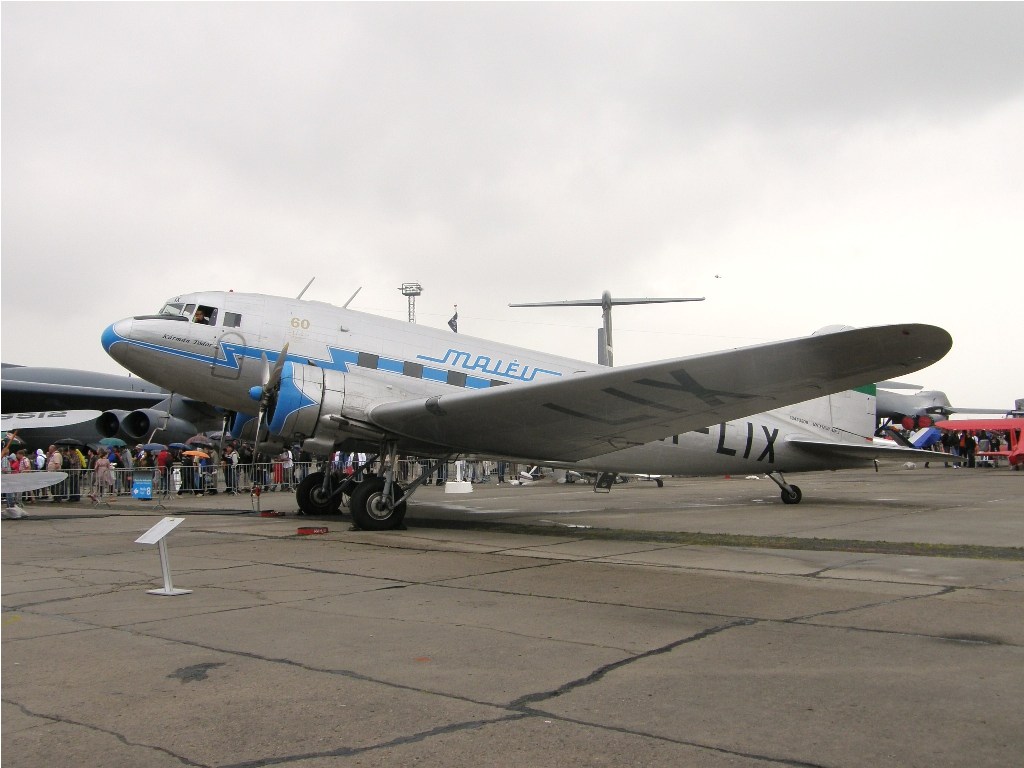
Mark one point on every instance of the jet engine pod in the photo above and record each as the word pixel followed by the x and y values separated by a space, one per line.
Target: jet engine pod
pixel 305 393
pixel 139 425
pixel 109 423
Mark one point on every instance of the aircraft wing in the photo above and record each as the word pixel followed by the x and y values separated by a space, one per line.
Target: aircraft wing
pixel 576 417
pixel 43 396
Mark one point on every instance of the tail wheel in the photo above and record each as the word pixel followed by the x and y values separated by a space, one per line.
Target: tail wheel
pixel 792 496
pixel 312 498
pixel 371 511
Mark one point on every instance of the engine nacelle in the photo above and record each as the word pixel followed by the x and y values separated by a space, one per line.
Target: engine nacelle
pixel 319 408
pixel 306 398
pixel 243 427
pixel 108 423
pixel 140 425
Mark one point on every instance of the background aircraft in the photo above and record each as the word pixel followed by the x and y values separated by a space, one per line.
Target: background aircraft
pixel 933 404
pixel 350 380
pixel 605 344
pixel 47 404
pixel 1013 450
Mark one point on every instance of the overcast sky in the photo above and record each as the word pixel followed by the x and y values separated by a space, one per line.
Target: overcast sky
pixel 799 165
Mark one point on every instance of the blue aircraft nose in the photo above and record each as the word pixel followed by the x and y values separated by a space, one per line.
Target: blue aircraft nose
pixel 117 332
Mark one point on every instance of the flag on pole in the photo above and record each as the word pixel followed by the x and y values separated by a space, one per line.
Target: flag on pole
pixel 454 322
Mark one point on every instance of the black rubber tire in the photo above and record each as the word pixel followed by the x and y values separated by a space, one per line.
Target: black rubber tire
pixel 311 499
pixel 793 496
pixel 367 511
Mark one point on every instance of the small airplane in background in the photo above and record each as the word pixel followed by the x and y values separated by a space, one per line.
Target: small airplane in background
pixel 331 378
pixel 1013 427
pixel 924 406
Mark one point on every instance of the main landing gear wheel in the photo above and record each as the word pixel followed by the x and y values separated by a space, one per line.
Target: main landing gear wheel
pixel 792 496
pixel 312 498
pixel 371 511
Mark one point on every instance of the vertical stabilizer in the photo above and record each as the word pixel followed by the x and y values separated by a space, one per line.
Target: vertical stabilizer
pixel 846 416
pixel 854 413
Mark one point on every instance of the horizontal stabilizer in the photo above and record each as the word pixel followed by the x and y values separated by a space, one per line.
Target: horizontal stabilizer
pixel 824 449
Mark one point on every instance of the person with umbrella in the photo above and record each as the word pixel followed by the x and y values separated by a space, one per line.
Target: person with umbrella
pixel 54 463
pixel 70 448
pixel 196 460
pixel 164 462
pixel 103 477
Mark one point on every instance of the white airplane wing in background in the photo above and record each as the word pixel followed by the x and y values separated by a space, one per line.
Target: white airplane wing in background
pixel 595 413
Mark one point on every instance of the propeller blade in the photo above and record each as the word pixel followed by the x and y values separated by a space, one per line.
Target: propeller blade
pixel 271 382
pixel 275 374
pixel 266 370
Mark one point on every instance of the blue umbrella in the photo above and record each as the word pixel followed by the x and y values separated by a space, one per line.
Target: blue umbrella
pixel 178 446
pixel 154 447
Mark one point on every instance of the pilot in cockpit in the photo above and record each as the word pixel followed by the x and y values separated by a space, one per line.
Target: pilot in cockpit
pixel 200 317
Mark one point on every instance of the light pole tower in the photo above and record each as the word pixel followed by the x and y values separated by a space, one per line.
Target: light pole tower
pixel 412 290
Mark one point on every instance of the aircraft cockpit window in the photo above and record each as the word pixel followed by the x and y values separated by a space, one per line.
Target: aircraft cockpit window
pixel 172 309
pixel 205 315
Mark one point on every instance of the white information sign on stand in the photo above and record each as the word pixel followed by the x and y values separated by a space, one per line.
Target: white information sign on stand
pixel 458 485
pixel 157 535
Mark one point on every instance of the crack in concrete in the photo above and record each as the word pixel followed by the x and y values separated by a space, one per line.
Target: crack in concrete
pixel 523 701
pixel 106 731
pixel 412 738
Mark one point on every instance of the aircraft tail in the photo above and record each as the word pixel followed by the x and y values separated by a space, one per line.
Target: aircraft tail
pixel 848 416
pixel 855 412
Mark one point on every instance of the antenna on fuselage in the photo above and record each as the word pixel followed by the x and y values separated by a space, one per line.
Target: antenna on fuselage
pixel 345 305
pixel 606 302
pixel 307 286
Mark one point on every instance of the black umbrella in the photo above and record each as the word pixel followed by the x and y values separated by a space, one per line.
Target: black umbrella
pixel 70 442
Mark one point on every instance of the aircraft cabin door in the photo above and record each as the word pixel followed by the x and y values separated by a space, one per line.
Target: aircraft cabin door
pixel 229 348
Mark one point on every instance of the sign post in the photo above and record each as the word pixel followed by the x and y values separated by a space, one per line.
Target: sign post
pixel 157 535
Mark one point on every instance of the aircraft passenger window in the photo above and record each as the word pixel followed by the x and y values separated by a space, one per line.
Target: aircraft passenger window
pixel 412 369
pixel 367 360
pixel 457 378
pixel 232 320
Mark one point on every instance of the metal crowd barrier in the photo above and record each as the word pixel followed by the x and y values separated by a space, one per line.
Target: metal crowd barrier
pixel 271 476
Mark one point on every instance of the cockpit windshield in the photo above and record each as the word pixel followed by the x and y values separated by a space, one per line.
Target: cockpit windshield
pixel 202 313
pixel 172 309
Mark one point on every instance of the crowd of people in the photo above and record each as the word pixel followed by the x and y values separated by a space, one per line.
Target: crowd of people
pixel 99 472
pixel 968 449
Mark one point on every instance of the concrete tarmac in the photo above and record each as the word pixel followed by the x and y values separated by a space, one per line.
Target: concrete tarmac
pixel 879 622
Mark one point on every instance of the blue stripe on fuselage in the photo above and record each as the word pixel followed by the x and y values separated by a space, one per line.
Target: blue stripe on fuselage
pixel 230 355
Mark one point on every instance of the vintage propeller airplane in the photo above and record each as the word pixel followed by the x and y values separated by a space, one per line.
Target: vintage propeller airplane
pixel 331 378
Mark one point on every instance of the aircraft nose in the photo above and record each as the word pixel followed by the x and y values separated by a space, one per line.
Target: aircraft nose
pixel 117 332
